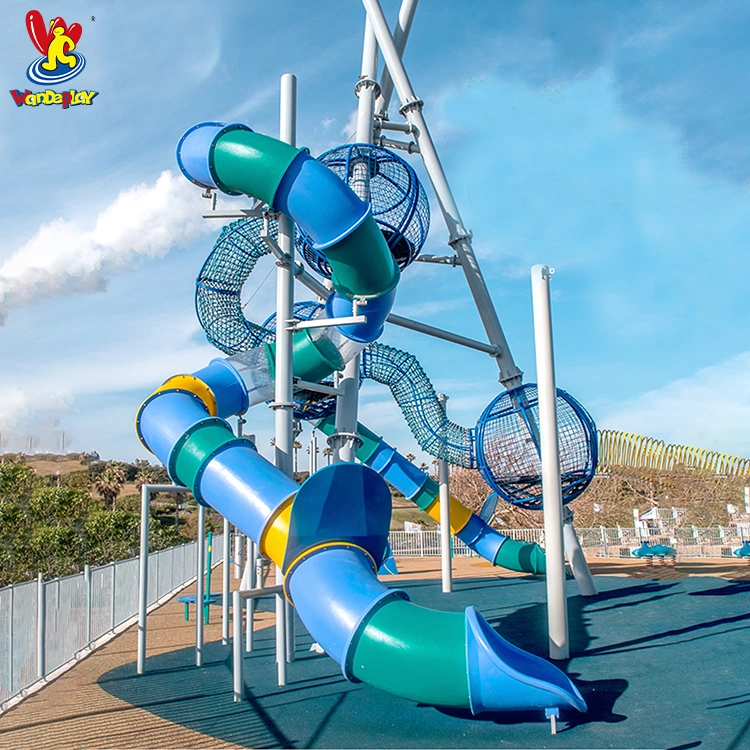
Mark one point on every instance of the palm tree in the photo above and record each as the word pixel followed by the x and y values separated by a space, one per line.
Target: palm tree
pixel 424 467
pixel 296 446
pixel 328 453
pixel 109 483
pixel 410 457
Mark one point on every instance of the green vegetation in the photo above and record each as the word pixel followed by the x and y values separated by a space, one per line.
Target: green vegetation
pixel 54 524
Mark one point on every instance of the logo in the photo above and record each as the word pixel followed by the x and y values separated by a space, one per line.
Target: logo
pixel 59 63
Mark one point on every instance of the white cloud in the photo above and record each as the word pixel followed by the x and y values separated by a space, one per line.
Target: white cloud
pixel 709 409
pixel 145 221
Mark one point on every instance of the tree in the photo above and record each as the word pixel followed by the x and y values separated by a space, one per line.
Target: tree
pixel 109 483
pixel 296 446
pixel 410 457
pixel 424 467
pixel 328 453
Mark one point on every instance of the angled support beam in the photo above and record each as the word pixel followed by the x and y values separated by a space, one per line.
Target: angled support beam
pixel 459 237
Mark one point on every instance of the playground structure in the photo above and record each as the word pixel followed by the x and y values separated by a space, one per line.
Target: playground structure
pixel 359 216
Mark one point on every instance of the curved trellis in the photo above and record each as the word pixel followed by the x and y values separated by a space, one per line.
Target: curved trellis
pixel 630 450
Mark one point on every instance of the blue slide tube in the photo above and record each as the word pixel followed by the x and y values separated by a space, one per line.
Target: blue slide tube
pixel 247 504
pixel 334 591
pixel 376 311
pixel 319 202
pixel 227 386
pixel 165 417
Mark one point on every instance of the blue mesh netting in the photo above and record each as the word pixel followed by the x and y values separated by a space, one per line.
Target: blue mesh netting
pixel 507 452
pixel 416 397
pixel 219 286
pixel 399 202
pixel 307 404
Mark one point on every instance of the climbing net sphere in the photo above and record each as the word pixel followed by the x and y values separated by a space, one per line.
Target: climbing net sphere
pixel 508 449
pixel 310 405
pixel 389 183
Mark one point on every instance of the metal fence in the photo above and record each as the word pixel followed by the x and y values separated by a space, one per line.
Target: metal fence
pixel 46 625
pixel 692 541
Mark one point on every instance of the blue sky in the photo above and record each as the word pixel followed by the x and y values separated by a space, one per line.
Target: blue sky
pixel 608 140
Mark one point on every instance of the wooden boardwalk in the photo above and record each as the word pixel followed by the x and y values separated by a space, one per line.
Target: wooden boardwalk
pixel 76 711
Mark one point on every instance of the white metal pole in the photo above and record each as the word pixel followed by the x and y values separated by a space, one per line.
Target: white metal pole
pixel 445 517
pixel 143 579
pixel 283 403
pixel 252 582
pixel 239 553
pixel 557 604
pixel 281 637
pixel 459 237
pixel 200 584
pixel 237 656
pixel 225 585
pixel 577 560
pixel 400 37
pixel 284 385
pixel 41 626
pixel 313 453
pixel 347 405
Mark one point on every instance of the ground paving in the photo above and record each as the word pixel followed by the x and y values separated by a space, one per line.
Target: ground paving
pixel 100 703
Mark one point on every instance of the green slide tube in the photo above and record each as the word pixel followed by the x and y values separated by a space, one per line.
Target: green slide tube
pixel 397 650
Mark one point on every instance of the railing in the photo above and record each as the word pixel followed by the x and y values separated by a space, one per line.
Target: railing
pixel 46 626
pixel 716 541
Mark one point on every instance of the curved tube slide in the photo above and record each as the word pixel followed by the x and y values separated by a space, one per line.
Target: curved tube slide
pixel 329 537
pixel 423 491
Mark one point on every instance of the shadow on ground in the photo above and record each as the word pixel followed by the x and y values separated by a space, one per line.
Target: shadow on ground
pixel 657 662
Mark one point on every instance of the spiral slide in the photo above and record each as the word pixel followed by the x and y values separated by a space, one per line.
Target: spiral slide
pixel 329 535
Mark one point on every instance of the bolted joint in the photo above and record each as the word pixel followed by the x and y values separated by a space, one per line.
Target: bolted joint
pixel 366 83
pixel 414 104
pixel 340 438
pixel 459 237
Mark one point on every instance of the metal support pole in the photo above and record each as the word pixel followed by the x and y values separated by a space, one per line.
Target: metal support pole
pixel 237 656
pixel 200 593
pixel 142 579
pixel 283 396
pixel 400 36
pixel 281 642
pixel 344 442
pixel 239 553
pixel 557 604
pixel 445 517
pixel 41 627
pixel 284 404
pixel 313 453
pixel 576 556
pixel 225 586
pixel 251 582
pixel 459 237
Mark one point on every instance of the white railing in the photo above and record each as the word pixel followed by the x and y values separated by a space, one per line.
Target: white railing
pixel 46 626
pixel 716 541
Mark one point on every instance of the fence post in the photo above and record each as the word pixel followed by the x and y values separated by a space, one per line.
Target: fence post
pixel 114 591
pixel 10 639
pixel 41 624
pixel 87 583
